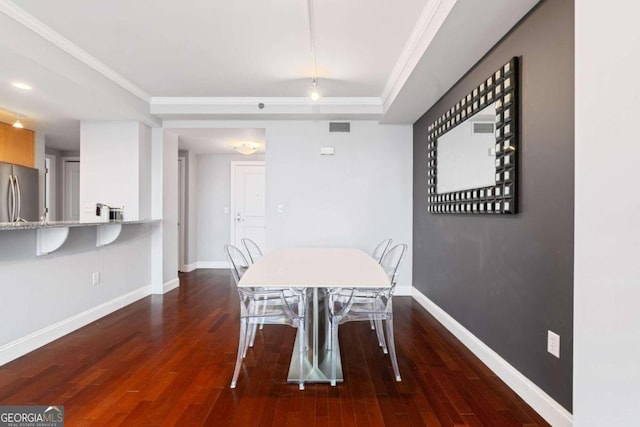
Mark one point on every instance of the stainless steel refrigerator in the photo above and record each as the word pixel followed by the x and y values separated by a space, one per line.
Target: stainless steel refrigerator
pixel 19 191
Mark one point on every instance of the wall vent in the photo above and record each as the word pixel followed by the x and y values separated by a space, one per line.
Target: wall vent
pixel 483 127
pixel 339 127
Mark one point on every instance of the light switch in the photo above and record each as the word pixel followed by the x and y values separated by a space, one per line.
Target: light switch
pixel 326 151
pixel 280 208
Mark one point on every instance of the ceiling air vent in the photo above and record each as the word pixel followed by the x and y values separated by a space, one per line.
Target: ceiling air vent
pixel 339 127
pixel 483 127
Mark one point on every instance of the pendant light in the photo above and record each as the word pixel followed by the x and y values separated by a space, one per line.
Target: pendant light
pixel 17 123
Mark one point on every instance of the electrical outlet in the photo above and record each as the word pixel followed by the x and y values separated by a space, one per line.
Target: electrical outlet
pixel 96 278
pixel 553 344
pixel 280 209
pixel 89 207
pixel 226 210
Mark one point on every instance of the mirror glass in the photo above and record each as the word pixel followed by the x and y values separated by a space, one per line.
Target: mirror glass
pixel 466 154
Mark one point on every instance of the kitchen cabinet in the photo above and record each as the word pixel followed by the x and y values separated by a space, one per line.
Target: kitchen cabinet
pixel 17 146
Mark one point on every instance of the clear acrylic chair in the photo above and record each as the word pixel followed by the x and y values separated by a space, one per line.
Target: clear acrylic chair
pixel 378 254
pixel 265 305
pixel 252 248
pixel 380 250
pixel 358 304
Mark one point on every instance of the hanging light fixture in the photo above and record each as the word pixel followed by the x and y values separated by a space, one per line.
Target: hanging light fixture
pixel 245 148
pixel 17 123
pixel 314 94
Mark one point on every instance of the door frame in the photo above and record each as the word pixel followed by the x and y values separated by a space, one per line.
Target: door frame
pixel 233 165
pixel 182 181
pixel 51 191
pixel 65 190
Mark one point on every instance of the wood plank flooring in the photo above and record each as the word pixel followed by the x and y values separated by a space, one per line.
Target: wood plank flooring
pixel 168 360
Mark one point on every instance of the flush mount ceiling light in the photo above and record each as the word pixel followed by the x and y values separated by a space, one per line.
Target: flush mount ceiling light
pixel 21 85
pixel 17 123
pixel 314 94
pixel 245 148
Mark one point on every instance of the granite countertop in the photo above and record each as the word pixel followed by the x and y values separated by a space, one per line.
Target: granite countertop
pixel 56 224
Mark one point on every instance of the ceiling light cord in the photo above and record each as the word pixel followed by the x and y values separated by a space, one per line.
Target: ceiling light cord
pixel 315 95
pixel 312 41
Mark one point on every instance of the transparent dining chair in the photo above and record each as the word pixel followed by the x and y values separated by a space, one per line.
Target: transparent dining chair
pixel 358 304
pixel 380 250
pixel 252 248
pixel 264 305
pixel 377 254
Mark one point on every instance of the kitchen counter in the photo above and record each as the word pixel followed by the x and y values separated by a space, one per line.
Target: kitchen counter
pixel 50 236
pixel 4 226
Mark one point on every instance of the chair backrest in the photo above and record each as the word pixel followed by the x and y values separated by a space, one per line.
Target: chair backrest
pixel 391 261
pixel 252 249
pixel 380 250
pixel 237 261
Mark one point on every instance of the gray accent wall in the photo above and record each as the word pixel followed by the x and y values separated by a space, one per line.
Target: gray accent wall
pixel 509 278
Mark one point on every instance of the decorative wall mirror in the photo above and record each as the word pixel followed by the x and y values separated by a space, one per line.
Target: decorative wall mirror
pixel 472 149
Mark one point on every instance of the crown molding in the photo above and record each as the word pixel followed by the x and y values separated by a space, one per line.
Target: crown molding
pixel 270 101
pixel 431 19
pixel 20 15
pixel 273 107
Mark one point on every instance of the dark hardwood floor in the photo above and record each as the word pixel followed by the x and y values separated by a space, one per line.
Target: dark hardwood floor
pixel 168 360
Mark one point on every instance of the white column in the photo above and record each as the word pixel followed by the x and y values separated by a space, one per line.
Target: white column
pixel 164 203
pixel 607 214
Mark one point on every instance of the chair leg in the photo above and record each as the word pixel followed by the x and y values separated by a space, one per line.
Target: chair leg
pixel 334 351
pixel 264 311
pixel 247 337
pixel 241 351
pixel 301 338
pixel 380 334
pixel 392 347
pixel 373 325
pixel 252 338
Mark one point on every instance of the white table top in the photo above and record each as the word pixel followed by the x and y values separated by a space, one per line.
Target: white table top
pixel 316 268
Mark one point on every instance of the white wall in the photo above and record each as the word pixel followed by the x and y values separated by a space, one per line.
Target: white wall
pixel 144 165
pixel 38 292
pixel 607 219
pixel 212 192
pixel 356 198
pixel 114 167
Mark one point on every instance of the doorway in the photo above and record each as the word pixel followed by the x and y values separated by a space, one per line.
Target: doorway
pixel 248 202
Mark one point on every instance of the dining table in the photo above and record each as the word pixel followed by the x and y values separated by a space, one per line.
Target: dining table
pixel 317 270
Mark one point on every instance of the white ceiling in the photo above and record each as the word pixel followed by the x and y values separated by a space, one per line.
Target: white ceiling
pixel 204 59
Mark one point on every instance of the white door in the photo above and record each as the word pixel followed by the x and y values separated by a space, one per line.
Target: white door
pixel 248 202
pixel 71 190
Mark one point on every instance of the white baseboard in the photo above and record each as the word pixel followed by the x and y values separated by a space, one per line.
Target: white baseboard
pixel 170 285
pixel 535 397
pixel 26 344
pixel 188 268
pixel 213 264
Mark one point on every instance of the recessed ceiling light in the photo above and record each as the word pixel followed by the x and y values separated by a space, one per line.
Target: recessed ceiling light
pixel 21 85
